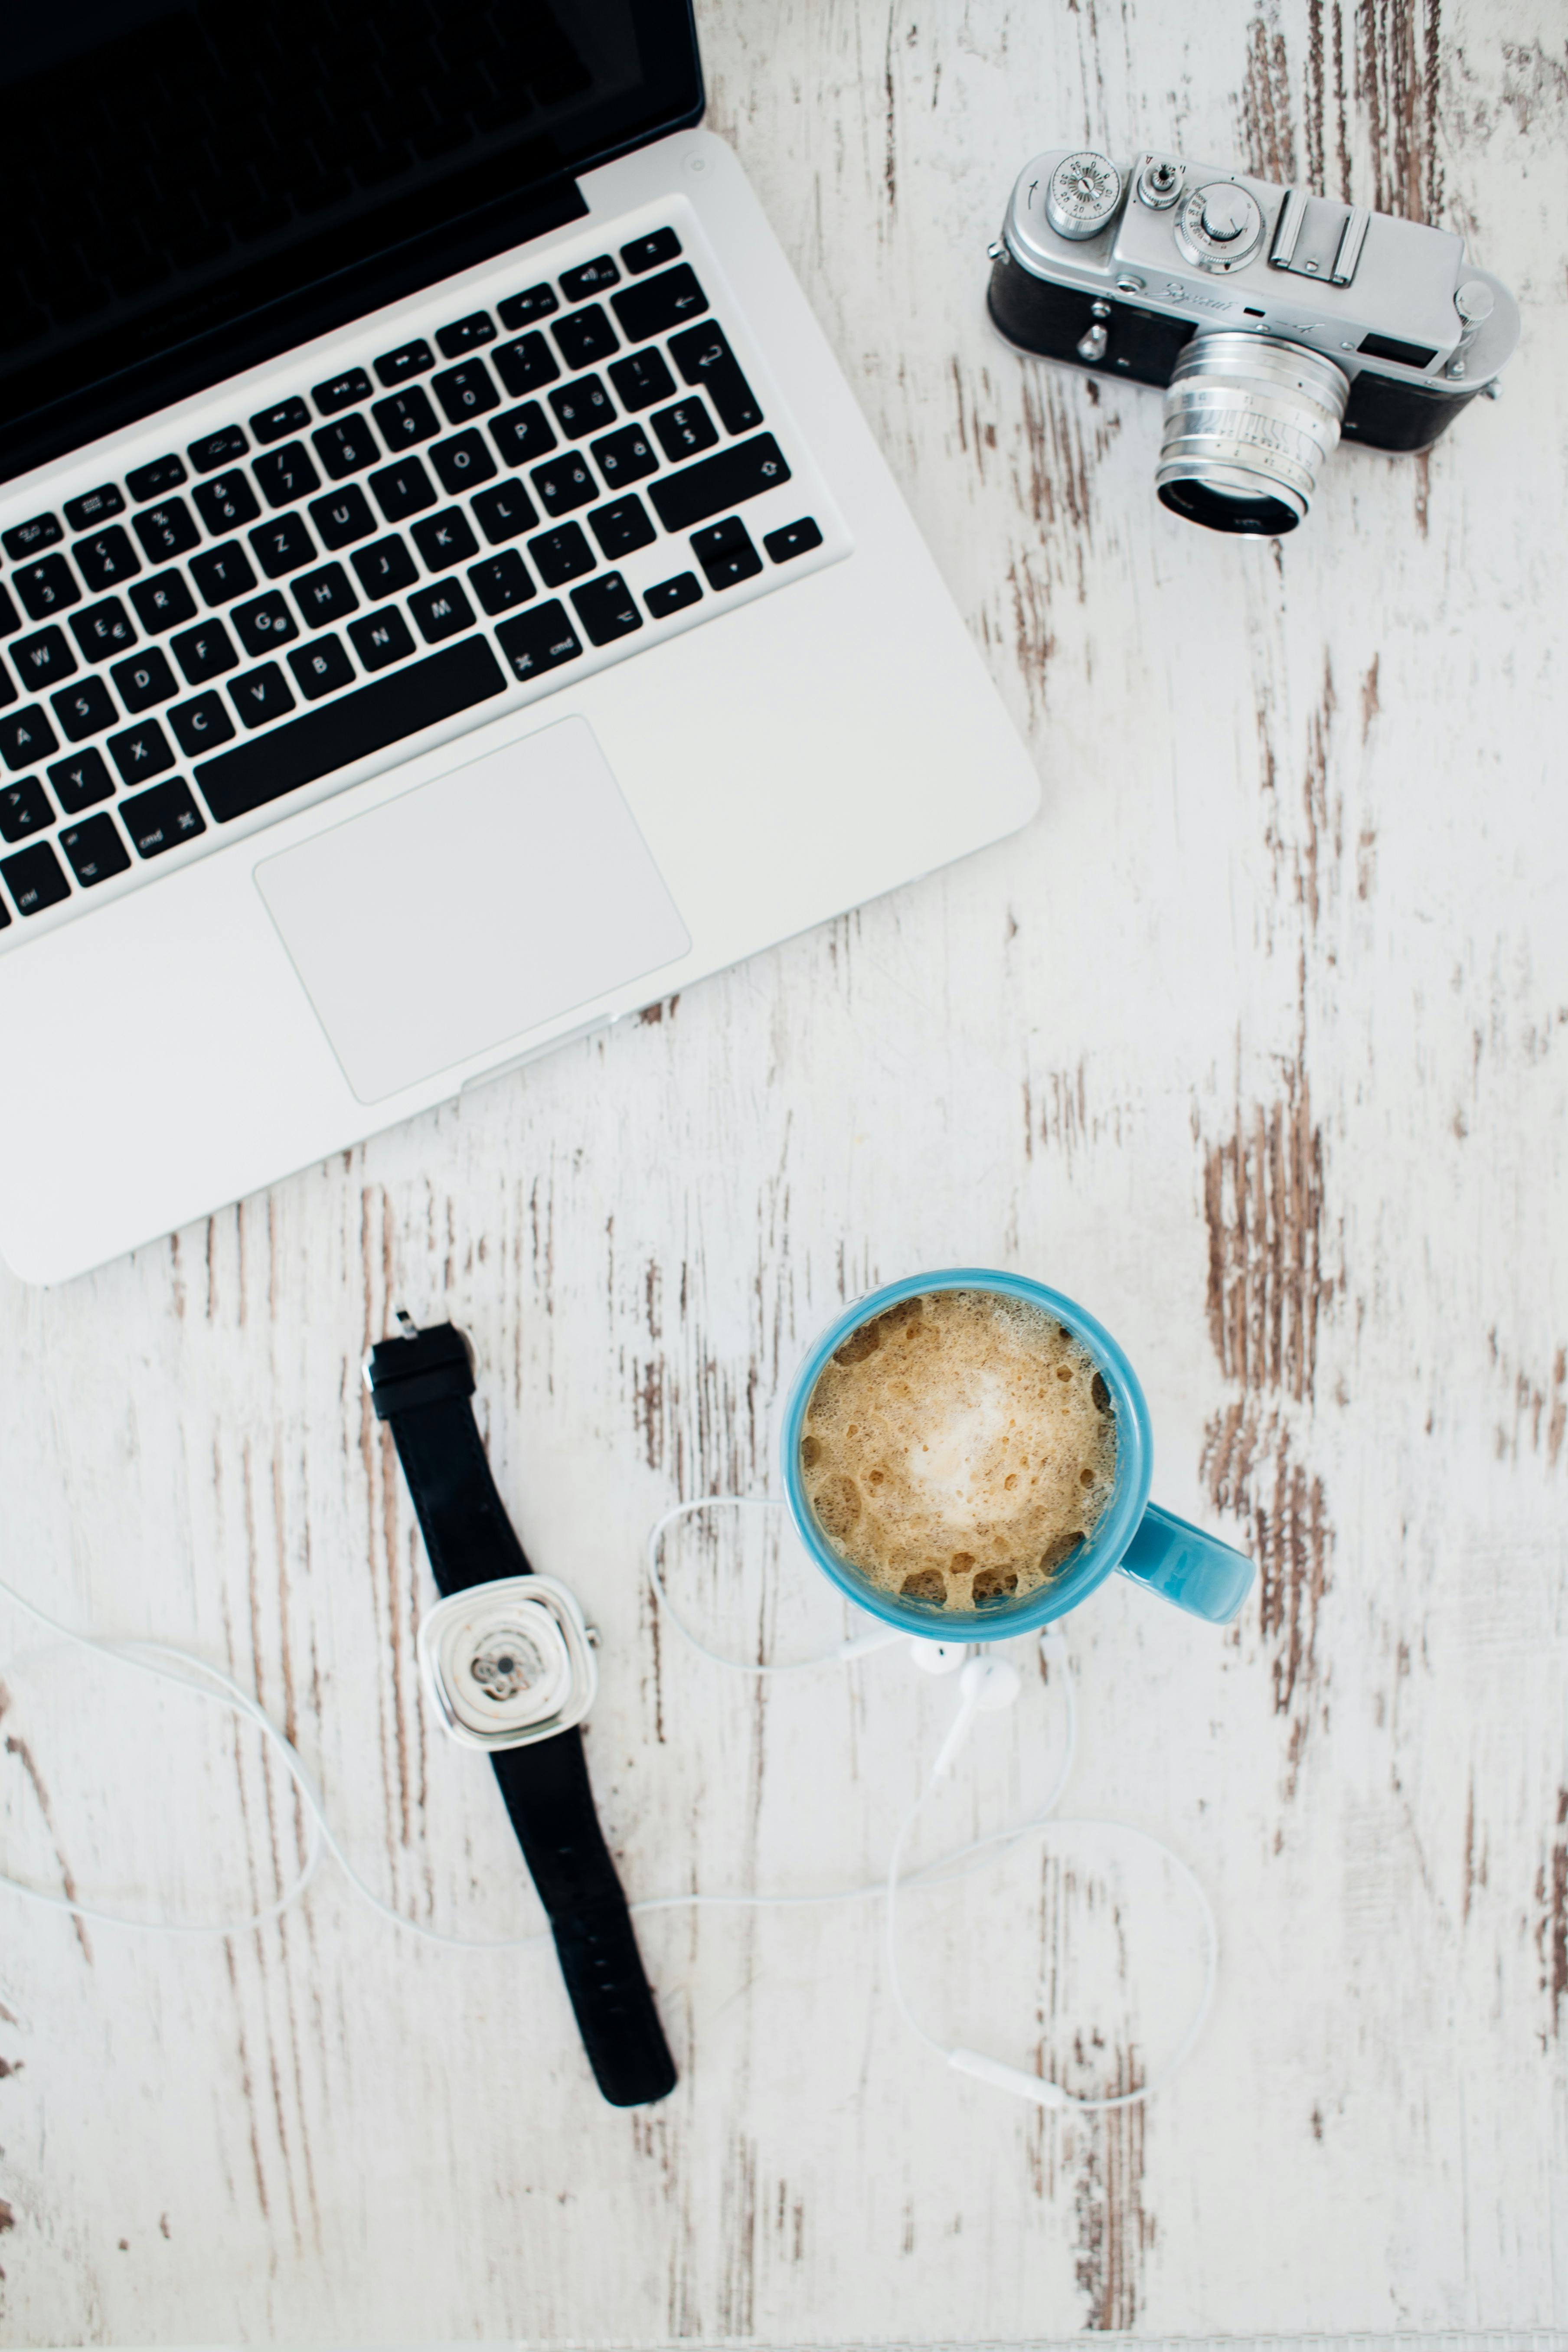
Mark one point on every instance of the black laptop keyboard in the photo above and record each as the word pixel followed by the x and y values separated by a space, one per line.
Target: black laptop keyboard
pixel 369 556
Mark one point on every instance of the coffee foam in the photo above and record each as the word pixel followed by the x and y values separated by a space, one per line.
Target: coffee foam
pixel 957 1448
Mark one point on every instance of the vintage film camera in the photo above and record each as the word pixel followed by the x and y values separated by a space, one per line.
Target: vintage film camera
pixel 1276 319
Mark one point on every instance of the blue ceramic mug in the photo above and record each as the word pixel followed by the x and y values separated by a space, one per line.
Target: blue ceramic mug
pixel 1153 1547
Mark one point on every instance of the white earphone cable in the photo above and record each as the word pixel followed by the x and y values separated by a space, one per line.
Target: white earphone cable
pixel 862 1647
pixel 185 1671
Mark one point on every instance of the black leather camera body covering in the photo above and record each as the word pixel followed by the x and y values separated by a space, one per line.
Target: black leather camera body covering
pixel 1050 321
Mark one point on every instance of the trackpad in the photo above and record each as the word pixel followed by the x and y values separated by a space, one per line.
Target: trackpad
pixel 472 910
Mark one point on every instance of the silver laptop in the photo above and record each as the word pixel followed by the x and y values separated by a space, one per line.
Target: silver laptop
pixel 450 598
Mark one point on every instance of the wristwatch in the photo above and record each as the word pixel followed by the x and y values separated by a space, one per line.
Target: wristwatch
pixel 509 1663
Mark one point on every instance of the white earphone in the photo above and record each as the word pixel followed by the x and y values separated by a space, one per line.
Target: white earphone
pixel 986 1685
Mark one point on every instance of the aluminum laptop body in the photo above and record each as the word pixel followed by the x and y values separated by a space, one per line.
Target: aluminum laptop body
pixel 472 672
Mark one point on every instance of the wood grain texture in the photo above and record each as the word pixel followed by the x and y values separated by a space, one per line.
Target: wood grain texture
pixel 1258 1043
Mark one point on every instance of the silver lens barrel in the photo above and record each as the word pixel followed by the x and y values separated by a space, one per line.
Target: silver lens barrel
pixel 1251 422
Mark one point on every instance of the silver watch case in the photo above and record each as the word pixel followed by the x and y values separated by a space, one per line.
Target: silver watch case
pixel 508 1663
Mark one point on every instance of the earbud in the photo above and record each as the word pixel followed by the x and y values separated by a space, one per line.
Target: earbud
pixel 987 1685
pixel 938 1657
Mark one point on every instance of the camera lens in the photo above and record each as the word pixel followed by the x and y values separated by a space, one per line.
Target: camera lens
pixel 1250 420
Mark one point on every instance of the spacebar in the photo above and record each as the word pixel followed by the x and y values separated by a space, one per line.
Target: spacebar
pixel 350 729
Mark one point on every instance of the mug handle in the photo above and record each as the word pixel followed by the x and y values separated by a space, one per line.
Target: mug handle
pixel 1168 1556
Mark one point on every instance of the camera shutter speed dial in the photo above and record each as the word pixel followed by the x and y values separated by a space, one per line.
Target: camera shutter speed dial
pixel 1220 226
pixel 1084 194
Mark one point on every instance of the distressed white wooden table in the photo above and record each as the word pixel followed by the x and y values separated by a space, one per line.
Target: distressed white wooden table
pixel 1258 1043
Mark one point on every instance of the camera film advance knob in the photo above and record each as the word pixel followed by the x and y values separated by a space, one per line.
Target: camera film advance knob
pixel 1083 193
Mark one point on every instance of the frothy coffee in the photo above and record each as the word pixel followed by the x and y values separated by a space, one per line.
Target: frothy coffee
pixel 958 1447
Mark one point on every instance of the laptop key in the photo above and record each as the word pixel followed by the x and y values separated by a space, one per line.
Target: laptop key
pixel 95 506
pixel 201 725
pixel 167 530
pixel 282 546
pixel 80 783
pixel 9 617
pixel 672 595
pixel 537 641
pixel 795 539
pixel 144 680
pixel 522 433
pixel 324 595
pixel 33 879
pixel 640 379
pixel 607 608
pixel 341 391
pixel 353 727
pixel 466 334
pixel 204 653
pixel 463 462
pixel 647 252
pixel 103 629
pixel 222 505
pixel 152 481
pixel 322 668
pixel 8 688
pixel 624 457
pixel 43 659
pixel 622 527
pixel 275 423
pixel 564 485
pixel 162 602
pixel 344 447
pixel 441 612
pixel 405 418
pixel 466 391
pixel 585 337
pixel 261 695
pixel 141 752
pixel 402 489
pixel 504 582
pixel 343 518
pixel 408 359
pixel 26 738
pixel 519 309
pixel 726 553
pixel 24 809
pixel 85 709
pixel 444 540
pixel 381 638
pixel 525 365
pixel 583 406
pixel 25 539
pixel 95 850
pixel 503 513
pixel 286 475
pixel 588 278
pixel 221 572
pixel 562 555
pixel 384 568
pixel 684 429
pixel 727 479
pixel 45 587
pixel 704 357
pixel 218 449
pixel 162 819
pixel 106 558
pixel 657 304
pixel 265 623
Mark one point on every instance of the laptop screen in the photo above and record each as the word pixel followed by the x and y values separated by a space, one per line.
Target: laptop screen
pixel 194 168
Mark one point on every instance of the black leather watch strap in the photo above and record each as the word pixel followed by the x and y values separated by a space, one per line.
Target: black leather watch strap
pixel 420 1386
